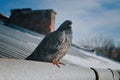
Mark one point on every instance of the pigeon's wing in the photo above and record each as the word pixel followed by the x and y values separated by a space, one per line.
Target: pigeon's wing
pixel 49 47
pixel 53 41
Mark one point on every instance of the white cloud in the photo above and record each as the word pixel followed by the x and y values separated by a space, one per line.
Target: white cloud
pixel 87 15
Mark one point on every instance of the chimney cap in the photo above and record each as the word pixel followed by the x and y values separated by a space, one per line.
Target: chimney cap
pixel 53 11
pixel 37 11
pixel 29 10
pixel 19 10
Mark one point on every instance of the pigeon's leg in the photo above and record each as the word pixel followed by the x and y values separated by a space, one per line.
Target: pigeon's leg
pixel 57 63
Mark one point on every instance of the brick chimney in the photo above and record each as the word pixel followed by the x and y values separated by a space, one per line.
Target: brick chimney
pixel 41 21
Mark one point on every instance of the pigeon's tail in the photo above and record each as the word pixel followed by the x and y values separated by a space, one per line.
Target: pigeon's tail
pixel 31 57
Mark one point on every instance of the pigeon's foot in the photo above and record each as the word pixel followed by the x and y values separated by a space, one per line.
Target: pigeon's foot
pixel 57 63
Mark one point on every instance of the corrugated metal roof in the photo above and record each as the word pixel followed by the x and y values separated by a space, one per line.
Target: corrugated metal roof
pixel 17 42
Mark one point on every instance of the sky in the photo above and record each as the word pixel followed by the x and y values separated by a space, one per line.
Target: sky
pixel 90 17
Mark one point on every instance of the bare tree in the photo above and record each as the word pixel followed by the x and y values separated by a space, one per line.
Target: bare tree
pixel 101 44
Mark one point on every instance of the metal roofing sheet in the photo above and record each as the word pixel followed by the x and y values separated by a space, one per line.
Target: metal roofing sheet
pixel 18 43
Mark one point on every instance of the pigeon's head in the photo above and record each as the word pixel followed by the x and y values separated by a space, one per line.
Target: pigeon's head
pixel 65 25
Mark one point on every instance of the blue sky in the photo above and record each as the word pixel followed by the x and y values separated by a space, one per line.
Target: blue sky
pixel 90 17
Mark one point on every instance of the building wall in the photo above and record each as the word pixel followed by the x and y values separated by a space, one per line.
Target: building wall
pixel 41 21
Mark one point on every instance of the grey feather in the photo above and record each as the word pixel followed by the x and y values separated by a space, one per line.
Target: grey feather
pixel 55 45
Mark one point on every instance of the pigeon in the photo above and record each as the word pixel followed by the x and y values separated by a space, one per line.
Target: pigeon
pixel 54 46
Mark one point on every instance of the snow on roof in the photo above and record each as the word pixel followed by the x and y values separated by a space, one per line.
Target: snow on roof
pixel 18 43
